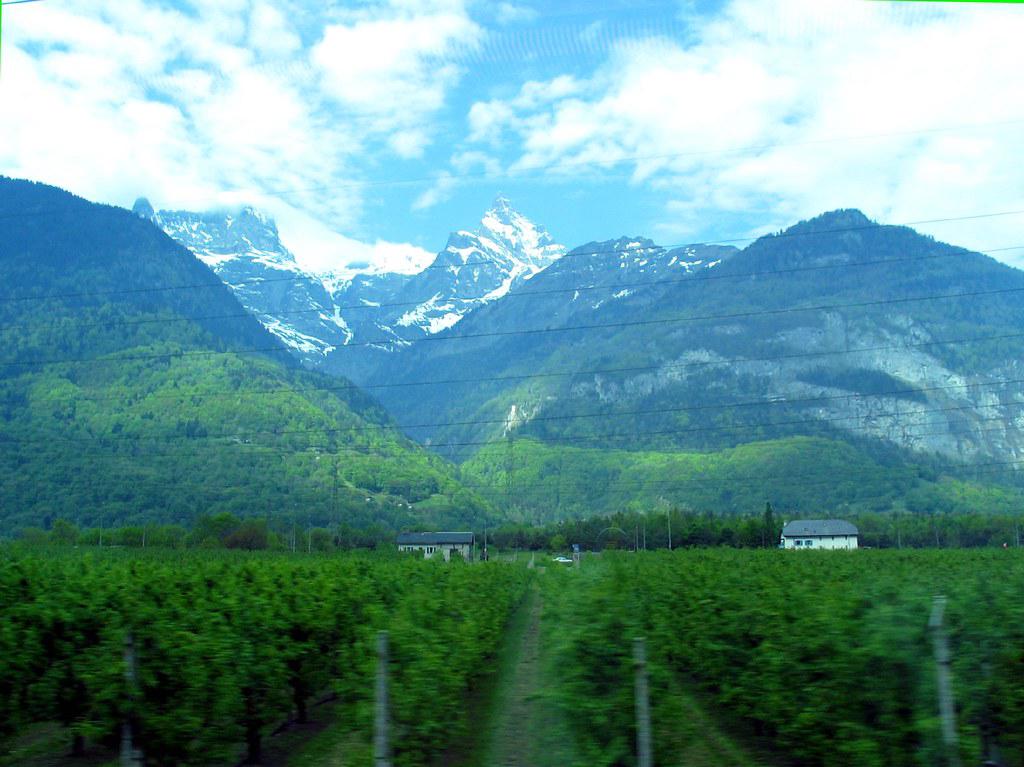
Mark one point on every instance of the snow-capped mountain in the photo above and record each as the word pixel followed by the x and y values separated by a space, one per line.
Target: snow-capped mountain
pixel 475 268
pixel 244 250
pixel 318 314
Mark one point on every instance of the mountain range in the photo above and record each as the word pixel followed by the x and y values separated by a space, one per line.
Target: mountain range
pixel 836 365
pixel 836 304
pixel 347 323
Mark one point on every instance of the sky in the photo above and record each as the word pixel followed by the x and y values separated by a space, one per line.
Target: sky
pixel 370 130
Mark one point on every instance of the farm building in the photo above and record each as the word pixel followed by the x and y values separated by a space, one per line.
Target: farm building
pixel 819 534
pixel 432 544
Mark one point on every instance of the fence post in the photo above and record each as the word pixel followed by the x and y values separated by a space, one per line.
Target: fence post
pixel 381 752
pixel 643 712
pixel 942 677
pixel 130 756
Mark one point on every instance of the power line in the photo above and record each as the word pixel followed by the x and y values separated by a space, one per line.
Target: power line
pixel 234 393
pixel 542 419
pixel 576 253
pixel 558 442
pixel 690 279
pixel 896 475
pixel 548 330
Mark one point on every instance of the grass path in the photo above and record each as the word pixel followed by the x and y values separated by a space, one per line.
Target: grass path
pixel 515 721
pixel 522 726
pixel 525 726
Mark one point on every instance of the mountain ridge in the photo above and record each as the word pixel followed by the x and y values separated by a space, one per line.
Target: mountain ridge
pixel 318 313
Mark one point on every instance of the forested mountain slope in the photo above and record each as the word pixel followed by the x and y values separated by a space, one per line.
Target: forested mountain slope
pixel 836 327
pixel 134 387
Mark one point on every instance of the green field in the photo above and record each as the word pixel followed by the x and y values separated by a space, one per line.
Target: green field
pixel 230 646
pixel 755 657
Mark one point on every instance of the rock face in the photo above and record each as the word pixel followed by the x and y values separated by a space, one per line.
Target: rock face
pixel 244 250
pixel 836 327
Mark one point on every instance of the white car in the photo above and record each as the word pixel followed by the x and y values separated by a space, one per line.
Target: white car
pixel 562 560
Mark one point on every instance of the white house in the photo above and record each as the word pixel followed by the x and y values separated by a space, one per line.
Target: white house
pixel 819 534
pixel 432 544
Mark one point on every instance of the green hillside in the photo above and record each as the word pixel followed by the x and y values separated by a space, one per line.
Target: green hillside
pixel 798 475
pixel 134 388
pixel 832 307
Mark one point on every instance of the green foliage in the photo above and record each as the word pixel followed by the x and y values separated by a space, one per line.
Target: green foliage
pixel 801 476
pixel 824 655
pixel 127 402
pixel 228 645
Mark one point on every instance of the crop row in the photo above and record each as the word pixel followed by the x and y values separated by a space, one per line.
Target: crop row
pixel 824 658
pixel 224 646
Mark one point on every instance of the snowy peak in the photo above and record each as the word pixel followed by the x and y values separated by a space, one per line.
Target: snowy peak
pixel 243 248
pixel 528 243
pixel 219 238
pixel 506 239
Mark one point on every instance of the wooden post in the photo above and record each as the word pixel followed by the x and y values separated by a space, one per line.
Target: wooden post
pixel 947 711
pixel 130 757
pixel 381 751
pixel 643 712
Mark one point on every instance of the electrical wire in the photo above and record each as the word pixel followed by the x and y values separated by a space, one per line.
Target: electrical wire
pixel 541 331
pixel 577 253
pixel 236 394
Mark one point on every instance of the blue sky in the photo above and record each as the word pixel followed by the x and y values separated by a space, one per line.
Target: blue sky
pixel 372 129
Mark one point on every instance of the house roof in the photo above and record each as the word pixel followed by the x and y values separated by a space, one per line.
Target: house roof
pixel 434 539
pixel 812 527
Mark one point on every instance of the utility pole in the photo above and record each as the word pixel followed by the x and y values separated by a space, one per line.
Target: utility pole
pixel 334 493
pixel 945 690
pixel 509 459
pixel 381 747
pixel 668 516
pixel 643 711
pixel 130 756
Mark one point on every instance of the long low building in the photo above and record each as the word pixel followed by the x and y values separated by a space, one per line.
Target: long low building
pixel 445 543
pixel 819 534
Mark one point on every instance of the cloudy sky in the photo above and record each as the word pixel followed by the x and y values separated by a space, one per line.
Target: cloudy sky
pixel 371 129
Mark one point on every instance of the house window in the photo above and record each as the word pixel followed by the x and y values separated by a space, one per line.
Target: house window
pixel 809 543
pixel 799 542
pixel 430 549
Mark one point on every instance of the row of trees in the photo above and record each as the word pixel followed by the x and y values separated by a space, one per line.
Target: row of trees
pixel 684 529
pixel 825 656
pixel 660 528
pixel 226 646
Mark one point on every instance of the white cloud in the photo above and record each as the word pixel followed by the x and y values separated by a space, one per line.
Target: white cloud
pixel 319 249
pixel 395 63
pixel 514 13
pixel 437 192
pixel 270 32
pixel 217 106
pixel 780 112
